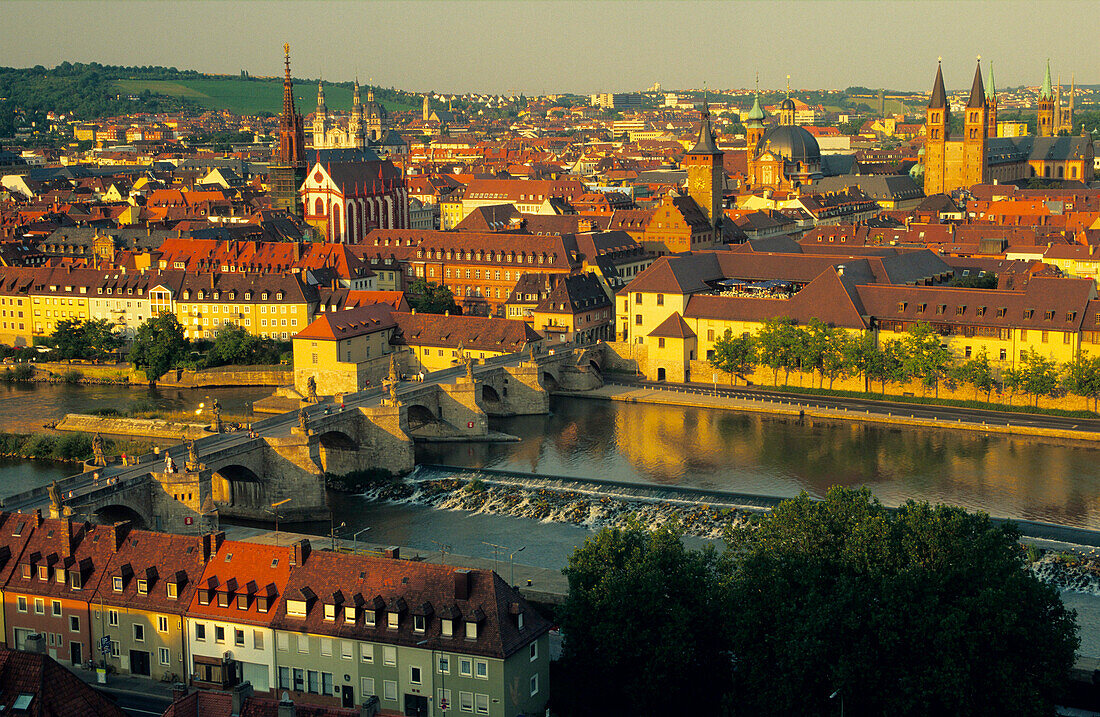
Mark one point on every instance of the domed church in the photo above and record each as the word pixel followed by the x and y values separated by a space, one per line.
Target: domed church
pixel 784 156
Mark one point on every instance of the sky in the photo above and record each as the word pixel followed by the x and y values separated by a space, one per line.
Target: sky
pixel 559 46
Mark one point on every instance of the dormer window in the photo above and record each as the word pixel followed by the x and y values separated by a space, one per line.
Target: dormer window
pixel 262 603
pixel 369 618
pixel 419 623
pixel 242 601
pixel 471 630
pixel 26 571
pixel 391 620
pixel 263 296
pixel 59 575
pixel 75 582
pixel 296 608
pixel 116 583
pixel 349 614
pixel 43 572
pixel 143 587
pixel 330 612
pixel 173 591
pixel 204 596
pixel 447 627
pixel 223 599
pixel 519 621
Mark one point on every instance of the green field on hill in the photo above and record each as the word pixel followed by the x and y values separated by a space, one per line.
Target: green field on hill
pixel 248 96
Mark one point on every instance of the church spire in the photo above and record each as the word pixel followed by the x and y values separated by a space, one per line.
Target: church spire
pixel 939 95
pixel 355 93
pixel 977 90
pixel 1046 93
pixel 321 109
pixel 992 93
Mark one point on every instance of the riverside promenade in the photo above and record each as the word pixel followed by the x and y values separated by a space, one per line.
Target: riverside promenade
pixel 837 408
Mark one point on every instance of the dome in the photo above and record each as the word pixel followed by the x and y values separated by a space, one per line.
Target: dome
pixel 755 114
pixel 788 104
pixel 792 142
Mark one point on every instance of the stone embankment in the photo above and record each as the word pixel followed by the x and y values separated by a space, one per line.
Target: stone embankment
pixel 561 506
pixel 143 427
pixel 1077 572
pixel 228 376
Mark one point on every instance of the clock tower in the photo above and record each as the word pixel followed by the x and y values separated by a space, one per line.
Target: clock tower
pixel 706 178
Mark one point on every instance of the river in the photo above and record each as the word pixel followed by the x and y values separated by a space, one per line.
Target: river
pixel 713 449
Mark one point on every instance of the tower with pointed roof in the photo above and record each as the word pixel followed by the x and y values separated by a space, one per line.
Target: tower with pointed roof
pixel 991 106
pixel 426 109
pixel 975 128
pixel 937 121
pixel 355 123
pixel 706 176
pixel 1063 114
pixel 289 165
pixel 320 118
pixel 1046 106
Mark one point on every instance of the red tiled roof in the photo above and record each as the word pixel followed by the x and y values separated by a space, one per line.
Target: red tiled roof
pixel 339 325
pixel 55 692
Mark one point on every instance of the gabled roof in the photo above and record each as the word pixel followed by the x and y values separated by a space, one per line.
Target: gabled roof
pixel 473 333
pixel 674 327
pixel 340 325
pixel 53 691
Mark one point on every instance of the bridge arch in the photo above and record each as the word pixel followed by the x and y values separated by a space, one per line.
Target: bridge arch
pixel 548 380
pixel 117 513
pixel 240 486
pixel 489 394
pixel 338 440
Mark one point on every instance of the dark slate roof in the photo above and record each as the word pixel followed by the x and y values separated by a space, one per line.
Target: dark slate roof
pixel 833 164
pixel 705 143
pixel 885 187
pixel 977 90
pixel 325 156
pixel 574 293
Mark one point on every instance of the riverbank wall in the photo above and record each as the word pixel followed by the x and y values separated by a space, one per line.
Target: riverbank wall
pixel 125 374
pixel 138 427
pixel 802 408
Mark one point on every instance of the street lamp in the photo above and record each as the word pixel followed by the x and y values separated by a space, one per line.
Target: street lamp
pixel 512 557
pixel 332 528
pixel 274 510
pixel 355 540
pixel 512 560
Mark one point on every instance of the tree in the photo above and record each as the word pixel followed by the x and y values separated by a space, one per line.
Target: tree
pixel 235 345
pixel 778 341
pixel 925 357
pixel 863 356
pixel 79 339
pixel 643 626
pixel 1082 377
pixel 978 372
pixel 431 298
pixel 158 345
pixel 898 611
pixel 734 354
pixel 1036 375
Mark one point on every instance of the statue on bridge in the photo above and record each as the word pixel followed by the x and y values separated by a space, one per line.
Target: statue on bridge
pixel 192 457
pixel 303 417
pixel 311 390
pixel 532 353
pixel 99 458
pixel 55 497
pixel 469 369
pixel 394 377
pixel 216 409
pixel 393 393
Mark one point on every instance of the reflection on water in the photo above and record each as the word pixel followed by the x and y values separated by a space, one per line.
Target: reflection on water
pixel 770 455
pixel 25 407
pixel 17 476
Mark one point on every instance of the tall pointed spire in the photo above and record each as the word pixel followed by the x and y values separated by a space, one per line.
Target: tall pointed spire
pixel 1046 93
pixel 939 94
pixel 355 93
pixel 320 97
pixel 977 90
pixel 992 93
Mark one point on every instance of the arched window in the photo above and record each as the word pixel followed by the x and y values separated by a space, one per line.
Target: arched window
pixel 335 221
pixel 319 207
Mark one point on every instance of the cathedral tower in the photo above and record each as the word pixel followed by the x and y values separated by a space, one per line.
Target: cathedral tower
pixel 974 132
pixel 935 144
pixel 289 167
pixel 355 123
pixel 705 174
pixel 320 118
pixel 991 106
pixel 786 109
pixel 1046 107
pixel 426 111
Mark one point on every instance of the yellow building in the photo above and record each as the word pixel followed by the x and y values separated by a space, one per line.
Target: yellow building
pixel 275 306
pixel 439 341
pixel 344 350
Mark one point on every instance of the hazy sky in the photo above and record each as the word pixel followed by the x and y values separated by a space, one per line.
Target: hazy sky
pixel 541 47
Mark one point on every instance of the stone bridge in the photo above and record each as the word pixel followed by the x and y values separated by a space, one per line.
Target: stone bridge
pixel 242 476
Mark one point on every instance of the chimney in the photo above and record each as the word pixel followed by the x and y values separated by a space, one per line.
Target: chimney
pixel 840 270
pixel 393 552
pixel 286 706
pixel 68 546
pixel 239 695
pixel 301 552
pixel 36 644
pixel 119 532
pixel 462 584
pixel 207 545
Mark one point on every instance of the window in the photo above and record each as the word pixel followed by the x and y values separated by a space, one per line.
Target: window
pixel 660 299
pixel 282 641
pixel 366 686
pixel 21 604
pixel 299 679
pixel 303 643
pixel 481 669
pixel 326 647
pixel 391 620
pixel 534 685
pixel 637 298
pixel 55 608
pixel 414 675
pixel 162 623
pixel 330 609
pixel 139 632
pixel 465 667
pixel 116 647
pixel 660 343
pixel 471 630
pixel 444 665
pixel 366 653
pixel 638 319
pixel 257 639
pixel 481 704
pixel 1045 336
pixel 534 651
pixel 200 632
pixel 284 678
pixel 326 683
pixel 418 623
pixel 172 591
pixel 116 583
pixel 389 655
pixel 314 682
pixel 74 622
pixel 389 689
pixel 112 618
pixel 238 637
pixel 165 656
pixel 39 606
pixel 219 633
pixel 466 701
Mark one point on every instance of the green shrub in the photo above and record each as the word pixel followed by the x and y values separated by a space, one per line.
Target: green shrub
pixel 73 447
pixel 476 486
pixel 22 372
pixel 72 376
pixel 108 412
pixel 40 445
pixel 1034 554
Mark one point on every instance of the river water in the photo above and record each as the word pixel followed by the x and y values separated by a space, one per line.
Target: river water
pixel 660 445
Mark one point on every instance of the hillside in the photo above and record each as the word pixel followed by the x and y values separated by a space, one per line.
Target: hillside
pixel 249 96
